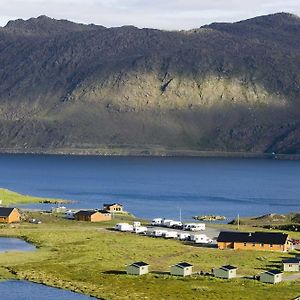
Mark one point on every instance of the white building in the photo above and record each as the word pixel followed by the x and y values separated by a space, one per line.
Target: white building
pixel 182 269
pixel 138 268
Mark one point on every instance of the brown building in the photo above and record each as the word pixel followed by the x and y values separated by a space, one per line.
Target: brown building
pixel 113 207
pixel 269 241
pixel 9 215
pixel 92 215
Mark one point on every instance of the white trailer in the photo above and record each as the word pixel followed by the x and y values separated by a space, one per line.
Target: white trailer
pixel 136 224
pixel 183 236
pixel 158 232
pixel 171 223
pixel 165 222
pixel 123 227
pixel 194 226
pixel 200 239
pixel 140 229
pixel 170 234
pixel 157 222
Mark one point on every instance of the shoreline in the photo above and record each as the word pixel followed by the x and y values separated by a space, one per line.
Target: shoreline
pixel 148 152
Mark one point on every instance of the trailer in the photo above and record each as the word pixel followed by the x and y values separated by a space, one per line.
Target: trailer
pixel 158 232
pixel 123 227
pixel 136 224
pixel 200 239
pixel 140 229
pixel 69 215
pixel 172 224
pixel 194 226
pixel 183 236
pixel 157 222
pixel 170 234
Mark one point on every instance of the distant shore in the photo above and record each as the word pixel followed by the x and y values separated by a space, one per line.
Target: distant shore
pixel 155 151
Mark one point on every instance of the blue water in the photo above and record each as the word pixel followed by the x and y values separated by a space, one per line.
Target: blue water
pixel 13 244
pixel 152 187
pixel 25 290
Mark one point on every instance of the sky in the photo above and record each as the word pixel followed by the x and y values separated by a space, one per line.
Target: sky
pixel 162 14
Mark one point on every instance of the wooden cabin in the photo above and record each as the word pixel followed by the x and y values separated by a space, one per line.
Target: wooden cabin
pixel 113 207
pixel 271 241
pixel 271 276
pixel 182 269
pixel 291 265
pixel 92 215
pixel 9 215
pixel 226 272
pixel 138 268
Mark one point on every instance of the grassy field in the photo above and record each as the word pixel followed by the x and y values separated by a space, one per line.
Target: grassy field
pixel 91 259
pixel 11 198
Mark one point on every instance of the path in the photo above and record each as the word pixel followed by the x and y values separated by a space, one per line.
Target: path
pixel 291 277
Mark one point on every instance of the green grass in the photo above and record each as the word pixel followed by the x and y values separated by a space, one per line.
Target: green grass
pixel 90 259
pixel 12 198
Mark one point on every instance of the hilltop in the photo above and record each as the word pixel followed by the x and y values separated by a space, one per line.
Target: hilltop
pixel 224 87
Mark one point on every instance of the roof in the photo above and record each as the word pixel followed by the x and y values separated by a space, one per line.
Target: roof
pixel 86 213
pixel 183 265
pixel 277 238
pixel 103 211
pixel 291 261
pixel 228 268
pixel 111 204
pixel 6 211
pixel 140 264
pixel 273 272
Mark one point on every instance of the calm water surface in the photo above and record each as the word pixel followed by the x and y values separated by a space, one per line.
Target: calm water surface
pixel 13 244
pixel 152 187
pixel 24 290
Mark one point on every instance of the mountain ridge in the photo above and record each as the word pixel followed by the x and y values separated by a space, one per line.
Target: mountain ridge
pixel 225 88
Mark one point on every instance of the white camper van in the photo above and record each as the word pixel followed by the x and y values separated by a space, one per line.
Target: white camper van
pixel 170 234
pixel 157 222
pixel 194 226
pixel 123 227
pixel 200 239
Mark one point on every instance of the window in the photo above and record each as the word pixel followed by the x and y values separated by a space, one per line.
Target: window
pixel 271 245
pixel 262 244
pixel 253 245
pixel 245 244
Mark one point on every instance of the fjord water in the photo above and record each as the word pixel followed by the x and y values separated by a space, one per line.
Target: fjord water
pixel 14 244
pixel 25 290
pixel 159 186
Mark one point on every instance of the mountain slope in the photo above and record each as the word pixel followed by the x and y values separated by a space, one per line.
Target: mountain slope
pixel 222 87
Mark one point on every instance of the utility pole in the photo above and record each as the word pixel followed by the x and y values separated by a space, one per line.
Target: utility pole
pixel 238 221
pixel 180 214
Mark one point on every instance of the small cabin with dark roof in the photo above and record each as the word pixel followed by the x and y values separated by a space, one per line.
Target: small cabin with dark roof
pixel 272 241
pixel 138 268
pixel 271 276
pixel 291 265
pixel 9 215
pixel 226 272
pixel 113 207
pixel 182 269
pixel 92 215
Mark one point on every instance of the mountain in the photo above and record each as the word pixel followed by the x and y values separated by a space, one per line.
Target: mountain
pixel 224 87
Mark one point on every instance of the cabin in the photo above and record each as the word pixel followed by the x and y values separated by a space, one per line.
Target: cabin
pixel 9 215
pixel 138 268
pixel 226 272
pixel 271 276
pixel 92 215
pixel 291 265
pixel 113 207
pixel 182 269
pixel 269 241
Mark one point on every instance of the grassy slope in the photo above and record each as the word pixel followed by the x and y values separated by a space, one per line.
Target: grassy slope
pixel 10 198
pixel 88 258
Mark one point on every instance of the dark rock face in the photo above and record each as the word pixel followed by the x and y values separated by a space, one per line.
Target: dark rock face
pixel 222 87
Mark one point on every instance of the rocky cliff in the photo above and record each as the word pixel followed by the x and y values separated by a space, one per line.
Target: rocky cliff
pixel 222 87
